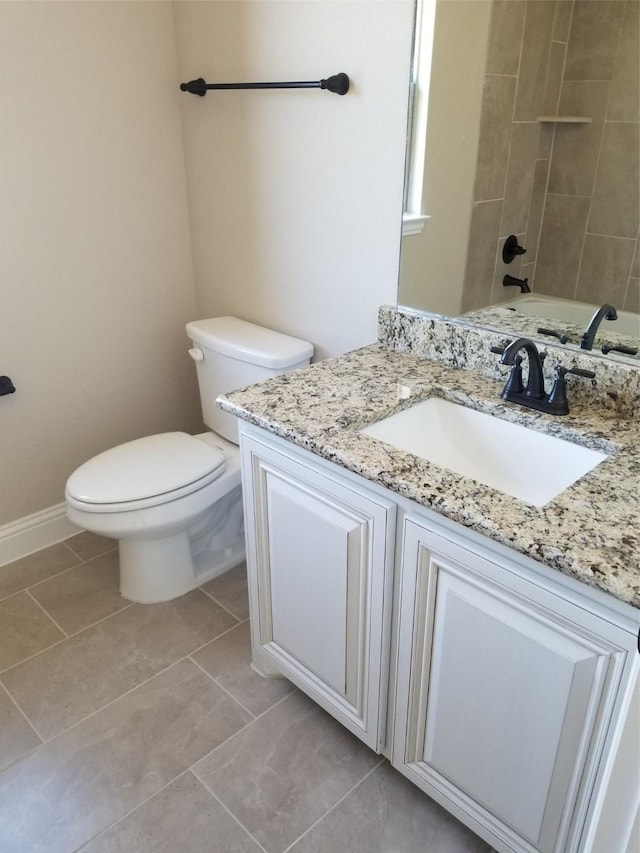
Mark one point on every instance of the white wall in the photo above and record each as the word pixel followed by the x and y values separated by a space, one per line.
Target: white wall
pixel 95 266
pixel 432 272
pixel 295 196
pixel 294 205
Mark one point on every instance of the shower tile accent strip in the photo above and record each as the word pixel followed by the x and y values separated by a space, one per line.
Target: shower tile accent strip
pixel 589 531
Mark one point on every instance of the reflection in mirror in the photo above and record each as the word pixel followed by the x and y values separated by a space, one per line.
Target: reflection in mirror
pixel 532 131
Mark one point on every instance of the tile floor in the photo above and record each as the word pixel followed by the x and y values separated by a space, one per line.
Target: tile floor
pixel 127 727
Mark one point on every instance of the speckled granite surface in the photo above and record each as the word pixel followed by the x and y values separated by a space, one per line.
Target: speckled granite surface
pixel 590 531
pixel 522 324
pixel 616 386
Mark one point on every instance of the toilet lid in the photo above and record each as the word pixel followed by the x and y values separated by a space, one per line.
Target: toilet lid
pixel 146 468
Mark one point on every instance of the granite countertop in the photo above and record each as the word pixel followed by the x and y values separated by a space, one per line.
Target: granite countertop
pixel 589 531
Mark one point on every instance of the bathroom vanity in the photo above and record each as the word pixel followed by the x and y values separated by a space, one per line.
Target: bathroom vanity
pixel 486 646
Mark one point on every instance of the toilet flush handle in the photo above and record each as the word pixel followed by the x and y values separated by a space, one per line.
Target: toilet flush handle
pixel 196 354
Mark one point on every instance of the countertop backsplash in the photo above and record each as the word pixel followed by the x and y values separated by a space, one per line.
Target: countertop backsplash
pixel 615 388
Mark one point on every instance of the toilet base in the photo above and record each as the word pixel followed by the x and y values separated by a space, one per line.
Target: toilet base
pixel 155 570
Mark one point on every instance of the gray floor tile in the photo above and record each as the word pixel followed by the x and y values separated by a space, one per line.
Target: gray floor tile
pixel 228 660
pixel 17 738
pixel 26 571
pixel 62 795
pixel 282 773
pixel 230 589
pixel 387 814
pixel 183 816
pixel 83 595
pixel 24 629
pixel 88 545
pixel 63 685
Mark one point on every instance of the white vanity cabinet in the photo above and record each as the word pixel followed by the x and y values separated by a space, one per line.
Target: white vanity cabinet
pixel 512 689
pixel 506 693
pixel 320 560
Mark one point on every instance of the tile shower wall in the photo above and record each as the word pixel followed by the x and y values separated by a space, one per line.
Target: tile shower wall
pixel 569 191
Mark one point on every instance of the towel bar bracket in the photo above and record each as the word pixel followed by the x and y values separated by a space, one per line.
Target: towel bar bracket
pixel 6 386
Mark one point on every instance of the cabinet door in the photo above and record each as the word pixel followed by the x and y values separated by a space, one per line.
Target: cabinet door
pixel 319 554
pixel 504 696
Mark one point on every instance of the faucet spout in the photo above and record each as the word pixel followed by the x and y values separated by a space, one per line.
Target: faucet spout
pixel 535 382
pixel 605 312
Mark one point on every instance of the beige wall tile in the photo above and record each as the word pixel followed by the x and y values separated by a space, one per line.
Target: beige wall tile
pixel 282 773
pixel 17 738
pixel 505 36
pixel 533 63
pixel 59 797
pixel 24 629
pixel 604 271
pixel 536 209
pixel 495 133
pixel 624 101
pixel 520 177
pixel 595 29
pixel 615 208
pixel 67 683
pixel 577 146
pixel 632 299
pixel 554 78
pixel 183 816
pixel 83 595
pixel 228 660
pixel 562 19
pixel 561 240
pixel 26 571
pixel 481 256
pixel 387 813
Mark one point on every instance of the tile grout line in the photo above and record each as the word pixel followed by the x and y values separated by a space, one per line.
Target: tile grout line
pixel 185 657
pixel 224 690
pixel 122 817
pixel 230 813
pixel 213 598
pixel 81 562
pixel 48 615
pixel 35 730
pixel 335 805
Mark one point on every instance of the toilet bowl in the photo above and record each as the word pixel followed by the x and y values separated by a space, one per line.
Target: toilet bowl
pixel 173 500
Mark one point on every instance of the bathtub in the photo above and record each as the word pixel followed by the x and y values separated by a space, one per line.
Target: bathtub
pixel 576 313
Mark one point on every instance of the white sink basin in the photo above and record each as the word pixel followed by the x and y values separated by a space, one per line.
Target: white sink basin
pixel 511 458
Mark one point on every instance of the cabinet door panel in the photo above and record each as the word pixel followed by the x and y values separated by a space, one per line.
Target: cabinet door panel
pixel 502 699
pixel 506 691
pixel 320 561
pixel 315 553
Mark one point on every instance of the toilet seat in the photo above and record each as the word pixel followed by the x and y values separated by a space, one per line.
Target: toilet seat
pixel 145 472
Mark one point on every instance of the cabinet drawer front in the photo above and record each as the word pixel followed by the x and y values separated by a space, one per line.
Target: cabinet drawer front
pixel 319 555
pixel 507 697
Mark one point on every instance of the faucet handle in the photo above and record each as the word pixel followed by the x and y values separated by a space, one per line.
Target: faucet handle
pixel 557 399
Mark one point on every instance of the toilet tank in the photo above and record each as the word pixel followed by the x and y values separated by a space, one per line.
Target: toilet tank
pixel 230 353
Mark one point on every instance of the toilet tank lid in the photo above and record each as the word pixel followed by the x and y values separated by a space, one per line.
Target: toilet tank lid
pixel 248 342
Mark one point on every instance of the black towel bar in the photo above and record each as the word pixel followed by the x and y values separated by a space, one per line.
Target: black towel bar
pixel 338 83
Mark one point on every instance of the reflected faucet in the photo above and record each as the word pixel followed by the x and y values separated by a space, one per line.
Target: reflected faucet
pixel 605 312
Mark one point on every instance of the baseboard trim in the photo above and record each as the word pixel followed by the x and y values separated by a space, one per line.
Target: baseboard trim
pixel 33 532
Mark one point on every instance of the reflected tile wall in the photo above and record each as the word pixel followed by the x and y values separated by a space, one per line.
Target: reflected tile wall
pixel 534 171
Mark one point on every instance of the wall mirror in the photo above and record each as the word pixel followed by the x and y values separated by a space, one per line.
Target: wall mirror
pixel 532 133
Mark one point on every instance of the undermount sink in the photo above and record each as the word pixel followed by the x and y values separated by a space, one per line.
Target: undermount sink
pixel 508 457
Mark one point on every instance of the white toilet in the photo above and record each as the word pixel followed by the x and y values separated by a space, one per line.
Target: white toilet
pixel 174 500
